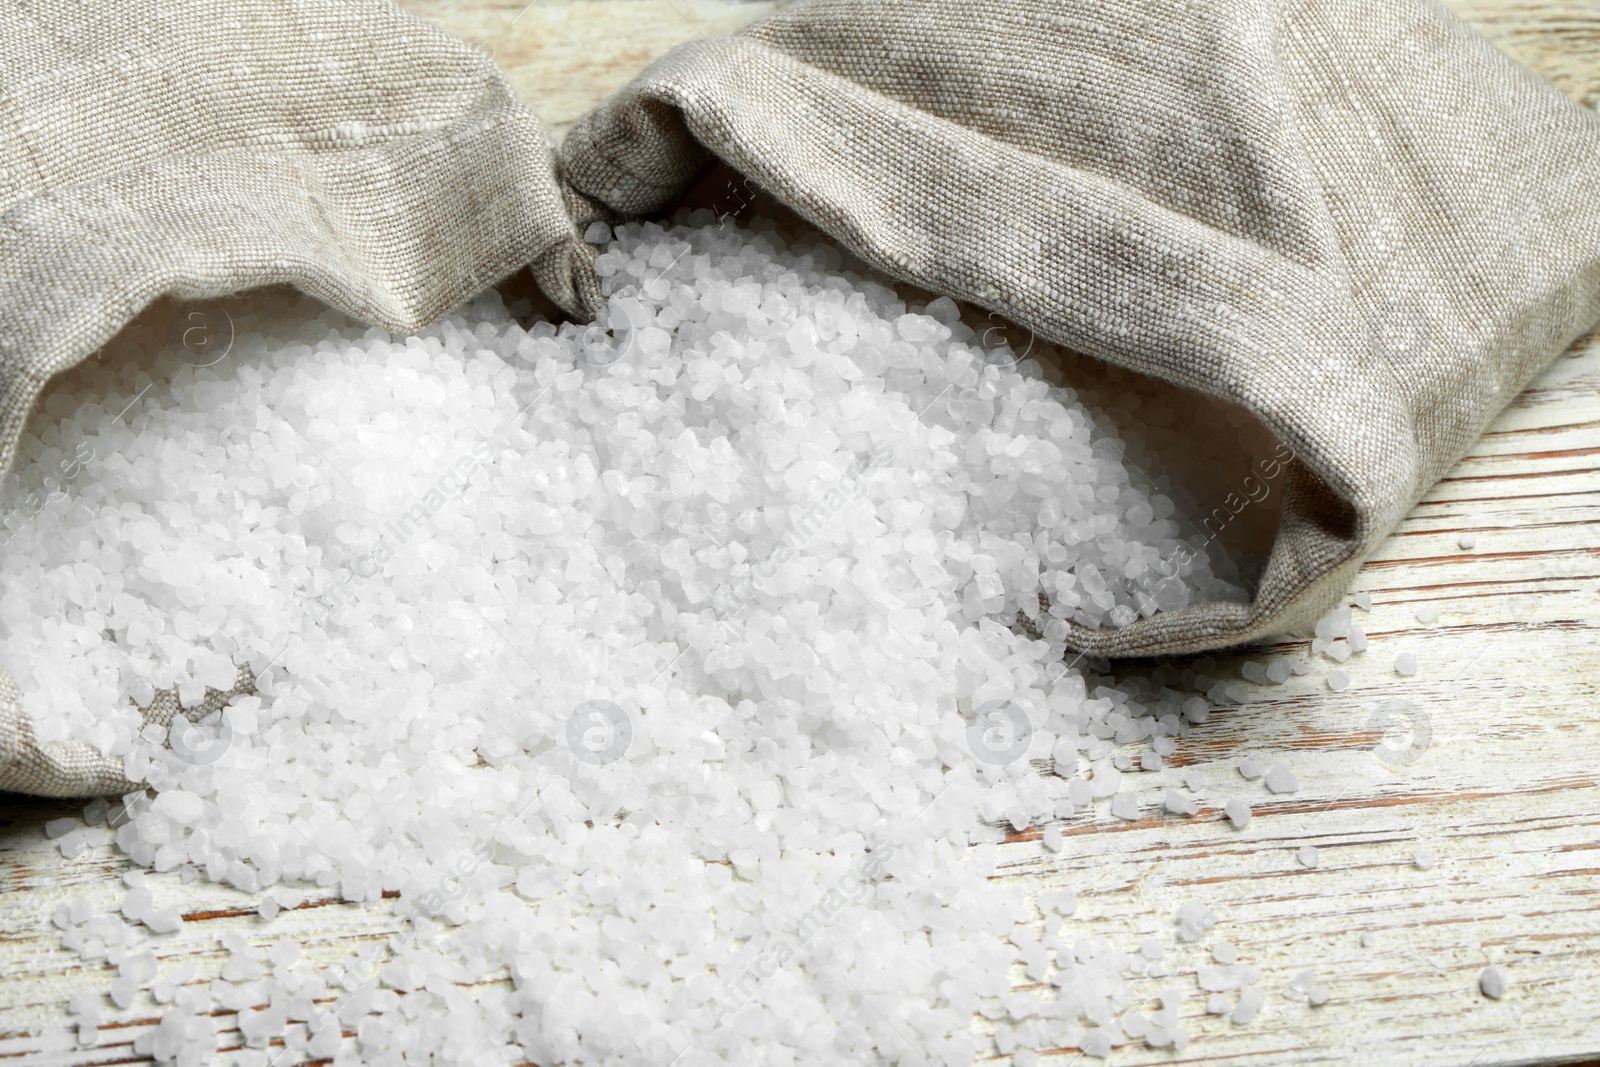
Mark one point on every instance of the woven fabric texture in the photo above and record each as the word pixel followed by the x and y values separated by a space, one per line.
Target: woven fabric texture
pixel 1354 219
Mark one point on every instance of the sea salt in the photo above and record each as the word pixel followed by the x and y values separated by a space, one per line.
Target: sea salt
pixel 1237 809
pixel 592 651
pixel 1178 804
pixel 1405 664
pixel 1281 780
pixel 1493 981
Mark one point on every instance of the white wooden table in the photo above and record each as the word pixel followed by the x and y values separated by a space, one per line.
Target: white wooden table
pixel 1503 789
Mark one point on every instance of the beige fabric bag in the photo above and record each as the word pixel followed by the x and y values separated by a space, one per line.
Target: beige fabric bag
pixel 200 148
pixel 1353 218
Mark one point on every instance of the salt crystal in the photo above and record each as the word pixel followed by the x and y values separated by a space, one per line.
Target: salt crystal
pixel 1364 601
pixel 1224 953
pixel 1178 804
pixel 1467 541
pixel 1281 780
pixel 1493 981
pixel 1308 856
pixel 1194 779
pixel 1405 664
pixel 1334 624
pixel 1125 806
pixel 1423 857
pixel 1251 1001
pixel 1251 768
pixel 1338 681
pixel 1237 809
pixel 1428 613
pixel 1368 940
pixel 1194 920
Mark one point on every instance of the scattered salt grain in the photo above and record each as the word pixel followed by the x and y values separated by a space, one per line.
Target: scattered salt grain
pixel 1304 985
pixel 1178 804
pixel 1493 981
pixel 1338 681
pixel 163 920
pixel 1052 838
pixel 1364 601
pixel 1224 953
pixel 1467 541
pixel 1237 809
pixel 1405 664
pixel 1369 939
pixel 1194 779
pixel 1428 613
pixel 1194 920
pixel 1357 639
pixel 1251 768
pixel 1423 857
pixel 1278 671
pixel 1308 856
pixel 1281 780
pixel 1251 1001
pixel 1334 625
pixel 743 524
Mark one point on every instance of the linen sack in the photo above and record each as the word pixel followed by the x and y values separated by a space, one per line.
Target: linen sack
pixel 204 147
pixel 1353 219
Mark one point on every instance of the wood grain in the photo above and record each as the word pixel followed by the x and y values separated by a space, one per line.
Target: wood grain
pixel 1506 792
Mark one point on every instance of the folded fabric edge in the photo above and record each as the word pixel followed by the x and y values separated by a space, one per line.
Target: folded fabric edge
pixel 53 769
pixel 254 218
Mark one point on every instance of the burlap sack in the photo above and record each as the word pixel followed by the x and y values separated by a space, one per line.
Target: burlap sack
pixel 1353 218
pixel 1356 219
pixel 204 147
